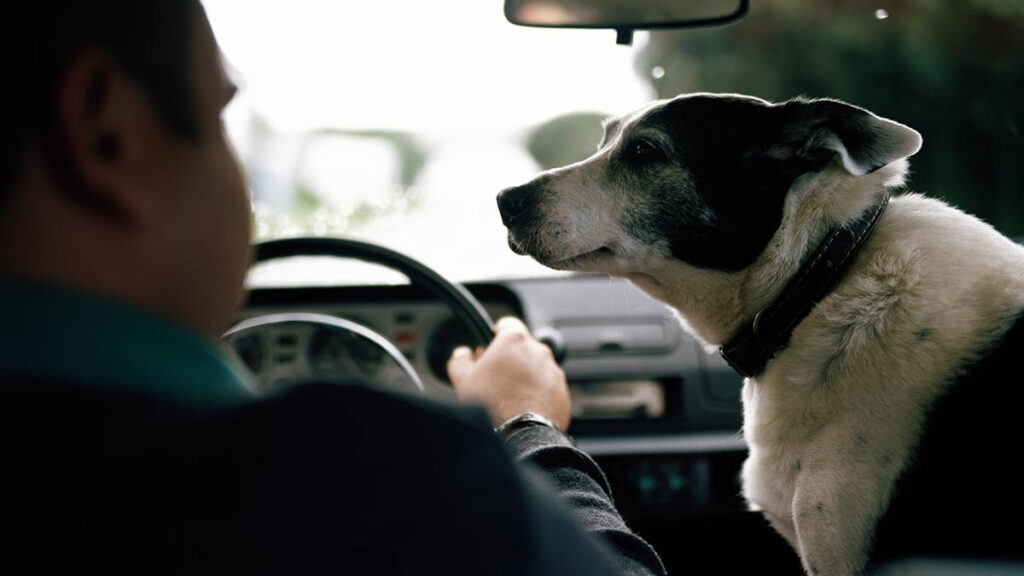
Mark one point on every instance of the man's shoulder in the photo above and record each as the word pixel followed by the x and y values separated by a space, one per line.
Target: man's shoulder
pixel 356 452
pixel 302 475
pixel 325 427
pixel 332 414
pixel 301 418
pixel 344 406
pixel 54 403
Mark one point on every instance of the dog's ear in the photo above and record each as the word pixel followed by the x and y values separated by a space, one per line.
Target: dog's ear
pixel 814 132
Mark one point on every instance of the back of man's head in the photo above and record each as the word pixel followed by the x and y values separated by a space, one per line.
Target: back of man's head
pixel 149 38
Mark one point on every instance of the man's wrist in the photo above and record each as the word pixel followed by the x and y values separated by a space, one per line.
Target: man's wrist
pixel 523 420
pixel 519 422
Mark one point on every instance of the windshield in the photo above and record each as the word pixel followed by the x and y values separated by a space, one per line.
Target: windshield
pixel 398 121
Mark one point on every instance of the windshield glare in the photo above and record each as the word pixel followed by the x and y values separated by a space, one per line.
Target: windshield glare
pixel 398 121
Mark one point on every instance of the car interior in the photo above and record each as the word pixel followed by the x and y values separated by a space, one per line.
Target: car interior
pixel 377 135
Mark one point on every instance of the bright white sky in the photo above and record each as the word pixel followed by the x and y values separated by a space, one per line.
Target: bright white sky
pixel 416 64
pixel 454 73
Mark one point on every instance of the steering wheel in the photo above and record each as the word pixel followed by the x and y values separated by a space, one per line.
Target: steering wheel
pixel 307 330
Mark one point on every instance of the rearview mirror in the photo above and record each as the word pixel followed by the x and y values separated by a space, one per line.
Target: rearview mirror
pixel 624 16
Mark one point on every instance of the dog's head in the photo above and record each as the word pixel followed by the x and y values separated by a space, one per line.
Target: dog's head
pixel 700 180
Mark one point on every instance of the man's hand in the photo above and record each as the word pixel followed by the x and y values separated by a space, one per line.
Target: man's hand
pixel 515 374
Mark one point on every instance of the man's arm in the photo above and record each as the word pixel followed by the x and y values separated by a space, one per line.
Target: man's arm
pixel 517 374
pixel 578 481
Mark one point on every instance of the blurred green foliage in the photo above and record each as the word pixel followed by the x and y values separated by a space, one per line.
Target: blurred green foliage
pixel 565 139
pixel 953 70
pixel 413 153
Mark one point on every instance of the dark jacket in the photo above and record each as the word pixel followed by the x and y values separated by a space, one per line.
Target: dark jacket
pixel 319 479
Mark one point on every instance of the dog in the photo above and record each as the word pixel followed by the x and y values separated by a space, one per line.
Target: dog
pixel 874 326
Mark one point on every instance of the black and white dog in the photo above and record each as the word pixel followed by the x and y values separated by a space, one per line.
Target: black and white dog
pixel 879 337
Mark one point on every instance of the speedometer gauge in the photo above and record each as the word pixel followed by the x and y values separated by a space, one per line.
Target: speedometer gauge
pixel 252 350
pixel 336 354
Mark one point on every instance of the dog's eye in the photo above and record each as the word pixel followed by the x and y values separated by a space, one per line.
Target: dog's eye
pixel 643 150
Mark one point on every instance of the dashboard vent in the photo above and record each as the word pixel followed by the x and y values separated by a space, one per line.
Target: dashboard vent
pixel 609 337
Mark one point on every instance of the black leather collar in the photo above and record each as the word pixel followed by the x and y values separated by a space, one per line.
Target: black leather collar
pixel 757 341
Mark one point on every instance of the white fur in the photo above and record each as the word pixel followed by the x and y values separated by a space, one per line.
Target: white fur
pixel 846 399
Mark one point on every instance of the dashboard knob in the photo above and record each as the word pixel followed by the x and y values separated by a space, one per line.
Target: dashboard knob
pixel 553 339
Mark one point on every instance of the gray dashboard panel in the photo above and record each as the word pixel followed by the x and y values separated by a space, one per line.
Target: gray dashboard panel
pixel 628 334
pixel 680 457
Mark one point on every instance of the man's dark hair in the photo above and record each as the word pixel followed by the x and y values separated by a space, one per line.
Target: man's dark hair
pixel 150 39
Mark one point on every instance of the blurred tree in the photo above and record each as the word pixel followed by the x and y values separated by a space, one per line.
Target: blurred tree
pixel 952 70
pixel 412 152
pixel 565 139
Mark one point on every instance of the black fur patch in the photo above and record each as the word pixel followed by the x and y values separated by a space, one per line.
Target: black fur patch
pixel 732 203
pixel 740 157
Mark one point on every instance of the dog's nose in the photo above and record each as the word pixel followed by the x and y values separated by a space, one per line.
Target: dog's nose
pixel 512 202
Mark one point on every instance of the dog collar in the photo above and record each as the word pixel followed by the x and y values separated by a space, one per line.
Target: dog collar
pixel 759 340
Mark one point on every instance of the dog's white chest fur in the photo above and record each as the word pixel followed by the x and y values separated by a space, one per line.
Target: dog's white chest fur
pixel 834 419
pixel 821 482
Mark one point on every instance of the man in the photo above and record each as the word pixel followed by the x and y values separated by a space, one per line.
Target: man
pixel 129 443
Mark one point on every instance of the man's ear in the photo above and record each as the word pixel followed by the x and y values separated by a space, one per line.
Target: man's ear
pixel 814 132
pixel 100 134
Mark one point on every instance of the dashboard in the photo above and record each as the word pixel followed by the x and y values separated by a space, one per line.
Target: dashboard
pixel 660 415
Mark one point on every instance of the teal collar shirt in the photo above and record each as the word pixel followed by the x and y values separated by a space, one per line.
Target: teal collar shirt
pixel 51 333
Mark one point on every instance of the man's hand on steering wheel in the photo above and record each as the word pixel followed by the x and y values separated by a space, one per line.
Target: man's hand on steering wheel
pixel 515 374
